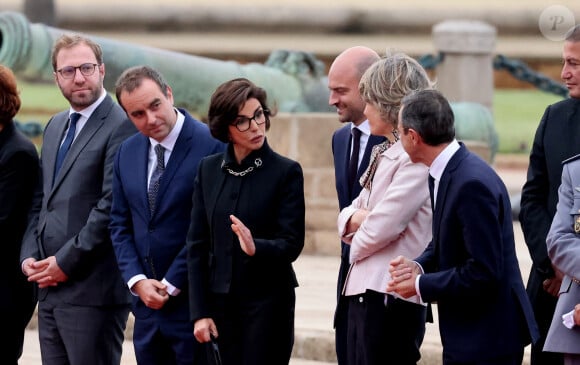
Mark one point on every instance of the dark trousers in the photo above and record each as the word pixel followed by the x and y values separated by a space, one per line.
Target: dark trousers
pixel 380 333
pixel 162 341
pixel 341 330
pixel 255 329
pixel 80 335
pixel 18 304
pixel 510 359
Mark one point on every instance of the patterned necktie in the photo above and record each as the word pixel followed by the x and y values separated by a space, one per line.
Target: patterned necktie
pixel 353 163
pixel 68 140
pixel 156 177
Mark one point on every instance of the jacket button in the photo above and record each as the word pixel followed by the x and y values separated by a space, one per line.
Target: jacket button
pixel 360 299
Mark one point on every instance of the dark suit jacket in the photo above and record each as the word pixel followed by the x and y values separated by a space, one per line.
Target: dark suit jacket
pixel 145 243
pixel 341 141
pixel 19 173
pixel 269 200
pixel 74 213
pixel 557 139
pixel 471 268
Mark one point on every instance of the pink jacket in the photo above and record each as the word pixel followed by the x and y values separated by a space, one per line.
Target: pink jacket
pixel 398 223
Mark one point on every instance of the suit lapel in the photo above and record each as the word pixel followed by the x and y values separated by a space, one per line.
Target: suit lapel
pixel 93 124
pixel 371 142
pixel 138 170
pixel 341 148
pixel 50 150
pixel 443 188
pixel 182 146
pixel 571 131
pixel 346 142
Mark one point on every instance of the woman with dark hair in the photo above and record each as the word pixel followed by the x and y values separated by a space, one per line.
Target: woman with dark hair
pixel 19 171
pixel 247 227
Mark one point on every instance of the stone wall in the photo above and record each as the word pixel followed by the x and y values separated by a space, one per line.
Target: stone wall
pixel 306 138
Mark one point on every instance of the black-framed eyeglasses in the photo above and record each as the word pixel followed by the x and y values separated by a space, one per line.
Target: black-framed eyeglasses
pixel 86 69
pixel 243 123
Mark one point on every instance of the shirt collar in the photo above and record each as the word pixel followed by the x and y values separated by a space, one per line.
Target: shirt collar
pixel 169 142
pixel 88 111
pixel 364 127
pixel 440 162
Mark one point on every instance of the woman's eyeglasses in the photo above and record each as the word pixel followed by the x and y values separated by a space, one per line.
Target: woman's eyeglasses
pixel 243 123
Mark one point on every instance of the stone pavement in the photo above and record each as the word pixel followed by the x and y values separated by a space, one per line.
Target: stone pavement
pixel 315 297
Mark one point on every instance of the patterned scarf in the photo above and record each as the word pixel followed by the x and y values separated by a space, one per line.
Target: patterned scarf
pixel 366 178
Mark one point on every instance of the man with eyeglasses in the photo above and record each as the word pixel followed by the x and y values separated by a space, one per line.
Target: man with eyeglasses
pixel 83 302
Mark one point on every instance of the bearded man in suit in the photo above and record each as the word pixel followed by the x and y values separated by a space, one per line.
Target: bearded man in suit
pixel 83 303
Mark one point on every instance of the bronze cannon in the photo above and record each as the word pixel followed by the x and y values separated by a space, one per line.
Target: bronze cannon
pixel 294 80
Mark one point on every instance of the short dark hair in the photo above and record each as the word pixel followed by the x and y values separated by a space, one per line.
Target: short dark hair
pixel 132 77
pixel 226 102
pixel 428 112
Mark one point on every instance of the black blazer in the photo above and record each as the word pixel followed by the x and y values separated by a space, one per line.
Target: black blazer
pixel 19 173
pixel 267 194
pixel 557 138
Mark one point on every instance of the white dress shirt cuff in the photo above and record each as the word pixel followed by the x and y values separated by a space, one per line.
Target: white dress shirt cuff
pixel 171 290
pixel 568 319
pixel 134 281
pixel 417 283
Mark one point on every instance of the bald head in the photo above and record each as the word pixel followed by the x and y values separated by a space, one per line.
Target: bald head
pixel 343 78
pixel 357 59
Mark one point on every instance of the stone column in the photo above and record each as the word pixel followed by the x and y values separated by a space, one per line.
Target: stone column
pixel 466 71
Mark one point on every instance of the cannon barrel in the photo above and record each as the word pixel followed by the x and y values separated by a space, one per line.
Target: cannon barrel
pixel 294 80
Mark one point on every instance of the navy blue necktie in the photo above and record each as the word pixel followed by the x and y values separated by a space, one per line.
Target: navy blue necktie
pixel 353 163
pixel 68 140
pixel 156 177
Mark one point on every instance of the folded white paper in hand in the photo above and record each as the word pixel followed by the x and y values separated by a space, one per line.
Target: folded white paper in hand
pixel 568 319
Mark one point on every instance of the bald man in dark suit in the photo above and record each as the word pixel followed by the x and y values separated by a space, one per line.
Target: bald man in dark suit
pixel 343 79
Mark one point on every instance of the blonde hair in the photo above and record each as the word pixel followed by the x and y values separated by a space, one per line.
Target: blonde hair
pixel 389 80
